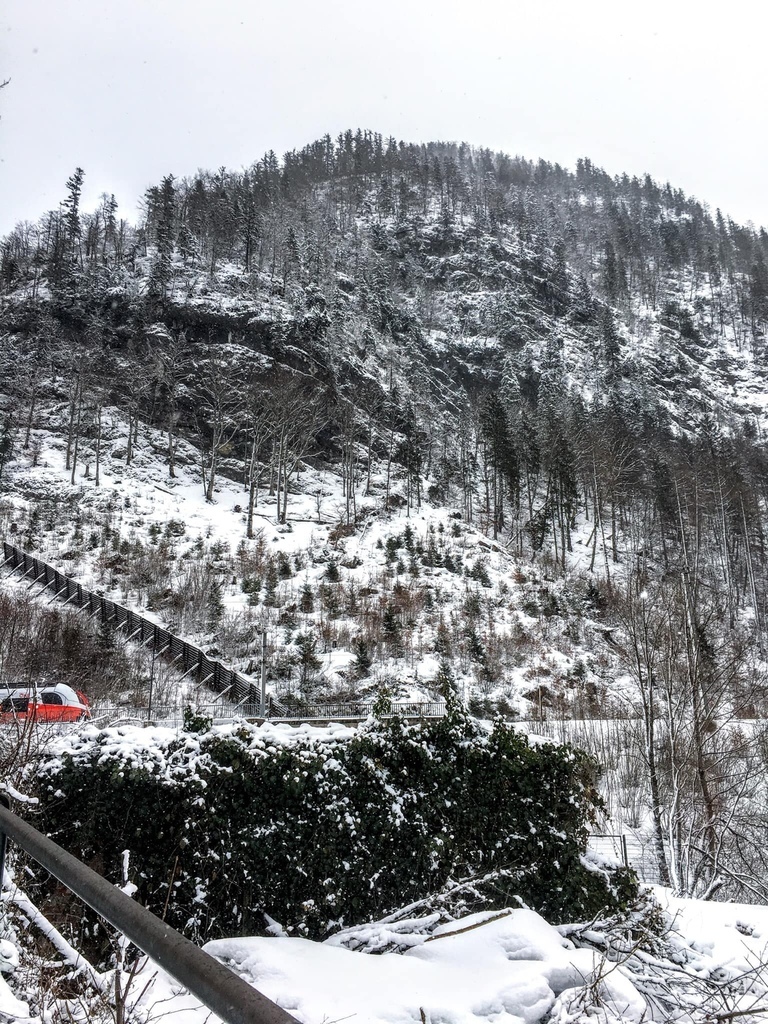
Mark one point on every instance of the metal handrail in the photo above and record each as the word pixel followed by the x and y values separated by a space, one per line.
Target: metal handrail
pixel 353 709
pixel 214 984
pixel 163 713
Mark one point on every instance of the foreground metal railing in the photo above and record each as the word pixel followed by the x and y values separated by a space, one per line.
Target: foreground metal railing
pixel 220 989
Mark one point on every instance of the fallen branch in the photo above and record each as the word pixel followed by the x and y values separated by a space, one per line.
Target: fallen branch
pixel 470 927
pixel 71 956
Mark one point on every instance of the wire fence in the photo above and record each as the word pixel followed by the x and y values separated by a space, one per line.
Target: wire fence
pixel 633 850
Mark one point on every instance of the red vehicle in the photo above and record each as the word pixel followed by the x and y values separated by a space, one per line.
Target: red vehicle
pixel 59 703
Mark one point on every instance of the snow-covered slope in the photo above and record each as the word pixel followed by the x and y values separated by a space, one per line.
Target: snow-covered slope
pixel 707 963
pixel 441 587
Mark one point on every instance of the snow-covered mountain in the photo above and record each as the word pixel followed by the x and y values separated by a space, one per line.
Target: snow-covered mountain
pixel 441 423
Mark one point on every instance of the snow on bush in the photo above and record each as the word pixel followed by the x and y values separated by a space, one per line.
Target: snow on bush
pixel 324 828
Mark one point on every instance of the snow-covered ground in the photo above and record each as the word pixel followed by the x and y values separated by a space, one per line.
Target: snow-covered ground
pixel 508 967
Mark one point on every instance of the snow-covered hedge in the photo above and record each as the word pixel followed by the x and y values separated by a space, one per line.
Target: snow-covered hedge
pixel 324 828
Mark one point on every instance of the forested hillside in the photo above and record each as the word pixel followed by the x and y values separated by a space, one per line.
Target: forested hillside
pixel 530 343
pixel 524 405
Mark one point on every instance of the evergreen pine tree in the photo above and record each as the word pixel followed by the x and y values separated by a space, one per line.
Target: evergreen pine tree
pixel 7 444
pixel 160 215
pixel 363 657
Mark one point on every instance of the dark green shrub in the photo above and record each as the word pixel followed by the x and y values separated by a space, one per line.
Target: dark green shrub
pixel 284 567
pixel 393 543
pixel 306 599
pixel 322 832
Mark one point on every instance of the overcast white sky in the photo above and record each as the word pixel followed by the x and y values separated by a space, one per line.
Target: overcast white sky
pixel 131 90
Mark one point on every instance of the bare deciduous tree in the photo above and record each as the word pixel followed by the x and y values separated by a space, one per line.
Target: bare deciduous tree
pixel 298 416
pixel 215 385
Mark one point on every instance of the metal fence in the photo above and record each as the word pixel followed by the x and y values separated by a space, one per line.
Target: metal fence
pixel 352 710
pixel 611 845
pixel 191 660
pixel 173 714
pixel 214 984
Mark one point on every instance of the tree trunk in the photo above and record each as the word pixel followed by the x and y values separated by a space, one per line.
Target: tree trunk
pixel 77 433
pixel 97 479
pixel 129 447
pixel 30 418
pixel 171 451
